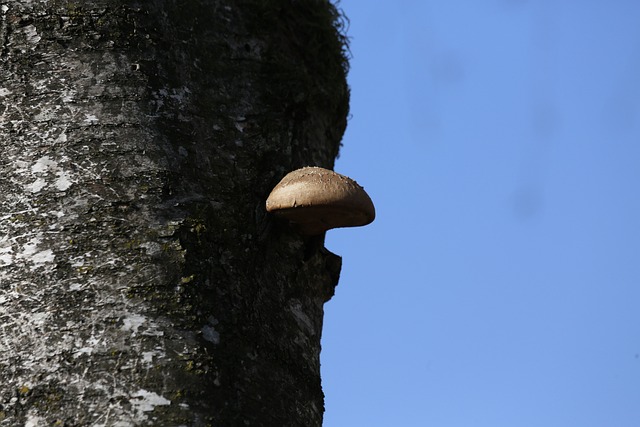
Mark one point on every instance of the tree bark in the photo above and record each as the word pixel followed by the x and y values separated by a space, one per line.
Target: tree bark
pixel 141 281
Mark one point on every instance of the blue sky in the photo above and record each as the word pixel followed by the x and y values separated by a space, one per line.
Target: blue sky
pixel 500 283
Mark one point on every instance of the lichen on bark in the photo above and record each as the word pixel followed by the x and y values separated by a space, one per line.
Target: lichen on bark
pixel 141 281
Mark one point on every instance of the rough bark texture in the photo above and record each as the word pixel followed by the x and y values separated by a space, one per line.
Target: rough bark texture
pixel 141 282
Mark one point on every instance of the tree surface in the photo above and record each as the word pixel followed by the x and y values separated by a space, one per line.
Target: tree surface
pixel 141 280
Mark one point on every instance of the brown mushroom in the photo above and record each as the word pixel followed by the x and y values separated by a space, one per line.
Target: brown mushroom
pixel 315 200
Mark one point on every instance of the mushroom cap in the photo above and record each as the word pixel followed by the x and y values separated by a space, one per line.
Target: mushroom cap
pixel 315 200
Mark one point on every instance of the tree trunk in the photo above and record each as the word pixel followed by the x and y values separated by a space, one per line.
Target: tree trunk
pixel 141 281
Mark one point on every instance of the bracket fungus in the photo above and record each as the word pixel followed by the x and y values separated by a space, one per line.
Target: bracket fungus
pixel 315 200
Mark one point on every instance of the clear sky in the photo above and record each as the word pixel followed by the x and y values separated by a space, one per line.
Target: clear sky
pixel 500 283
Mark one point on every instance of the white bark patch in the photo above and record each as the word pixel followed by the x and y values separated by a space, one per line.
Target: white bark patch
pixel 146 401
pixel 43 164
pixel 83 350
pixel 31 34
pixel 152 248
pixel 69 95
pixel 37 185
pixel 48 171
pixel 43 257
pixel 90 119
pixel 134 322
pixel 63 181
pixel 33 255
pixel 34 420
pixel 301 318
pixel 148 356
pixel 6 252
pixel 61 138
pixel 210 334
